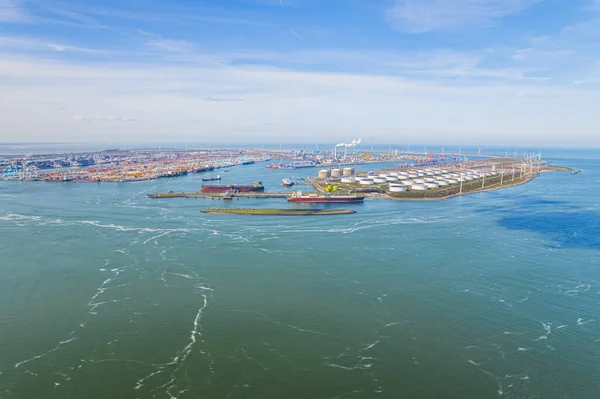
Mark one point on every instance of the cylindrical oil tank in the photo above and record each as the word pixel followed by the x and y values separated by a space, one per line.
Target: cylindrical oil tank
pixel 367 182
pixel 336 173
pixel 413 175
pixel 408 182
pixel 419 187
pixel 348 171
pixel 397 189
pixel 419 181
pixel 452 181
pixel 430 179
pixel 348 179
pixel 432 185
pixel 392 178
pixel 442 182
pixel 323 174
pixel 380 180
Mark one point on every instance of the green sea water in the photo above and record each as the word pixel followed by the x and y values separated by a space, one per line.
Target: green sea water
pixel 105 293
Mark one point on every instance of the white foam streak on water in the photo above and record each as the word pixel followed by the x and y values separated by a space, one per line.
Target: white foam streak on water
pixel 180 357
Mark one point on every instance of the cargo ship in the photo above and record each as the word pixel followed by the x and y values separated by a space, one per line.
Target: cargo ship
pixel 302 164
pixel 318 199
pixel 233 188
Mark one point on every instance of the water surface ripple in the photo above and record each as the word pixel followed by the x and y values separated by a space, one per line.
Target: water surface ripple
pixel 106 293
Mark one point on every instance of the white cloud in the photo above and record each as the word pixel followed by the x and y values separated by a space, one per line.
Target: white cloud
pixel 24 43
pixel 420 16
pixel 12 11
pixel 281 105
pixel 103 118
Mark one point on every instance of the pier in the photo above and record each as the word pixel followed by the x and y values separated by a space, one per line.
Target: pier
pixel 275 195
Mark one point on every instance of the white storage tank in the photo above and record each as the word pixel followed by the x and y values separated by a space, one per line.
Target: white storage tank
pixel 397 189
pixel 408 182
pixel 432 185
pixel 442 182
pixel 392 178
pixel 367 182
pixel 452 181
pixel 348 179
pixel 413 175
pixel 336 173
pixel 430 179
pixel 419 181
pixel 348 171
pixel 383 174
pixel 324 174
pixel 419 187
pixel 468 178
pixel 380 180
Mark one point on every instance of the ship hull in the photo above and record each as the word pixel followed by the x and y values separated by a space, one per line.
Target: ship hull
pixel 328 200
pixel 222 189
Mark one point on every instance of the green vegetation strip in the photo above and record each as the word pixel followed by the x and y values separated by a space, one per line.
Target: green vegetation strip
pixel 280 212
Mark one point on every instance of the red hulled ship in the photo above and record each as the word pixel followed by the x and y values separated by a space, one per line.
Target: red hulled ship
pixel 318 199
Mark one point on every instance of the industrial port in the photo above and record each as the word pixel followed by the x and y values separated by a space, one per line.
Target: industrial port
pixel 395 175
pixel 114 165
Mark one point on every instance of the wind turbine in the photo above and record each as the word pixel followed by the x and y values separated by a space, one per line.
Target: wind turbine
pixel 460 149
pixel 479 148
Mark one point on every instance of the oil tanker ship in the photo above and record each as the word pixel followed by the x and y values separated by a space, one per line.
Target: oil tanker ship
pixel 210 188
pixel 320 199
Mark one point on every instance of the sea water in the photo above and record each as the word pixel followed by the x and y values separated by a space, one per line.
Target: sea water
pixel 105 293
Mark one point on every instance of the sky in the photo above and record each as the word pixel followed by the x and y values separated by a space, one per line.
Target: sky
pixel 478 72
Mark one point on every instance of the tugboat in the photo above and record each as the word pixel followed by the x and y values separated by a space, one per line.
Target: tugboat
pixel 218 178
pixel 287 182
pixel 319 199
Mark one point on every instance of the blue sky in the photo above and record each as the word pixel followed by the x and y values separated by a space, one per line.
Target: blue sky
pixel 505 72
